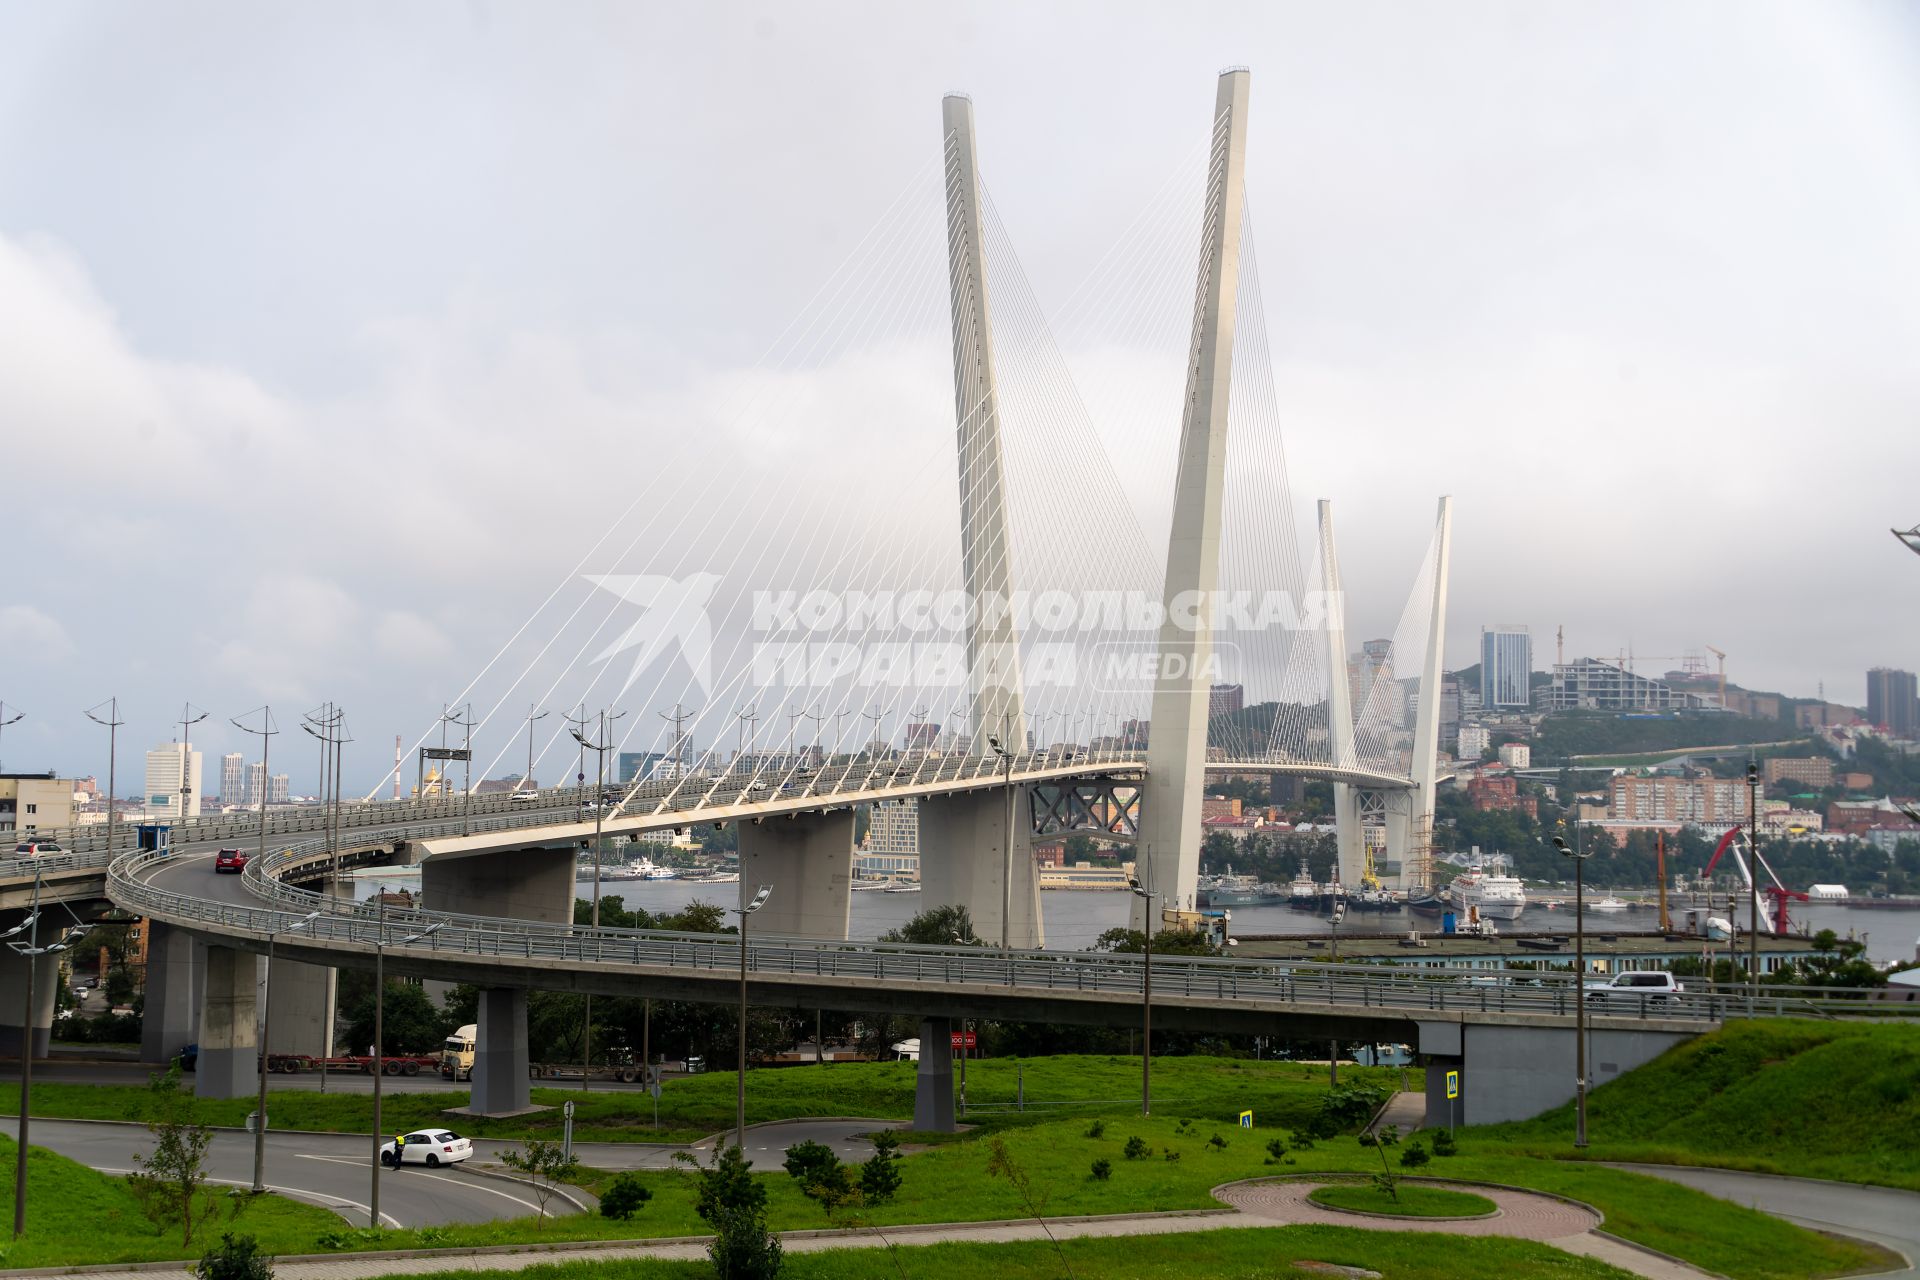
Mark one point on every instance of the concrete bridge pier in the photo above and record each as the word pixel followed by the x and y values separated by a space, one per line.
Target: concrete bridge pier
pixel 519 884
pixel 808 861
pixel 301 998
pixel 13 1000
pixel 229 1060
pixel 170 1018
pixel 963 862
pixel 1516 1072
pixel 933 1082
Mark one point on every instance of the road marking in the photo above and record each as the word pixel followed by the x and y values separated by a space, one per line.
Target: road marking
pixel 320 1198
pixel 359 1164
pixel 494 1191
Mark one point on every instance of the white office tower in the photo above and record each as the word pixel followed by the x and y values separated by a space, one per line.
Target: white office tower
pixel 169 768
pixel 1506 668
pixel 233 778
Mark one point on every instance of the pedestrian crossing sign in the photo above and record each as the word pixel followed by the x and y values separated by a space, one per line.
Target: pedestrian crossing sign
pixel 1246 1119
pixel 1453 1084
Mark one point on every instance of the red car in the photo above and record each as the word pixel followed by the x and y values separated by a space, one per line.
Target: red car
pixel 234 860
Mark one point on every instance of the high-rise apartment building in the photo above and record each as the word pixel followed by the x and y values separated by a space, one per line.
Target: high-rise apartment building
pixel 1506 668
pixel 233 778
pixel 169 768
pixel 1892 702
pixel 256 782
pixel 279 789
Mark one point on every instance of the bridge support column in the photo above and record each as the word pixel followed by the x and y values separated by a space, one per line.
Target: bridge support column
pixel 302 999
pixel 808 861
pixel 170 1017
pixel 229 1063
pixel 500 1061
pixel 524 884
pixel 1517 1072
pixel 963 861
pixel 13 999
pixel 933 1082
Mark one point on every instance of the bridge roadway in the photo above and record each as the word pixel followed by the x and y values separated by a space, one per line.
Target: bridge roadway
pixel 1521 1024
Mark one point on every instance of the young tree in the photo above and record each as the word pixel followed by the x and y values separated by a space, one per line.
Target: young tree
pixel 950 926
pixel 172 1178
pixel 880 1175
pixel 546 1165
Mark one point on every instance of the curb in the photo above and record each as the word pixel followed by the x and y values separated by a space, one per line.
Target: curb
pixel 699 1143
pixel 1407 1217
pixel 587 1246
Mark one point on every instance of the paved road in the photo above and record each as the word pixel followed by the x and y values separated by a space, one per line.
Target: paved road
pixel 1879 1214
pixel 326 1169
pixel 334 1169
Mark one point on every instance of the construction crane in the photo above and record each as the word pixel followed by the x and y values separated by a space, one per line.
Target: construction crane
pixel 1774 916
pixel 1721 654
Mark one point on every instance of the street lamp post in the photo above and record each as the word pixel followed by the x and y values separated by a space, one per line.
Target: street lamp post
pixel 6 719
pixel 113 723
pixel 266 732
pixel 1333 1046
pixel 760 896
pixel 1579 985
pixel 1753 886
pixel 266 1026
pixel 599 746
pixel 533 714
pixel 186 722
pixel 1146 1003
pixel 1006 877
pixel 32 950
pixel 379 1039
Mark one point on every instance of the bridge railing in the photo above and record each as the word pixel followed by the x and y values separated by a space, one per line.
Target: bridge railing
pixel 1402 992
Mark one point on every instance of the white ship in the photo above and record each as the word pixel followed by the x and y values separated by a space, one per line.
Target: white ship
pixel 1494 895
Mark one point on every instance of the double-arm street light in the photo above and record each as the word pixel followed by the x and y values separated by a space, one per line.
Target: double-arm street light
pixel 1909 538
pixel 1579 983
pixel 112 723
pixel 266 732
pixel 1333 952
pixel 601 744
pixel 266 1025
pixel 32 950
pixel 759 900
pixel 1146 1001
pixel 379 1038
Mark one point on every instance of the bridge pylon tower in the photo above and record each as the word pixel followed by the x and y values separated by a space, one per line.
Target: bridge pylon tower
pixel 1169 845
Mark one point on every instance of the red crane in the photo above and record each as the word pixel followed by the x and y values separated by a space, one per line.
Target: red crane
pixel 1776 915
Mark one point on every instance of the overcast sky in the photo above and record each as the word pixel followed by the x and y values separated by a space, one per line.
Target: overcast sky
pixel 325 331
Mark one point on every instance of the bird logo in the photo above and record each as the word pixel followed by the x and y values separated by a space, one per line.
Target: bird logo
pixel 675 618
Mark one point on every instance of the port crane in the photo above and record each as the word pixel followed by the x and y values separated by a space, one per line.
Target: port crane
pixel 1776 894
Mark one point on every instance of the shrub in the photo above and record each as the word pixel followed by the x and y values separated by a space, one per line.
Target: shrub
pixel 1102 1170
pixel 1217 1142
pixel 432 1237
pixel 626 1196
pixel 1346 1107
pixel 725 1184
pixel 1136 1148
pixel 1275 1149
pixel 1172 1155
pixel 1443 1143
pixel 811 1161
pixel 1300 1141
pixel 742 1248
pixel 835 1189
pixel 1414 1156
pixel 879 1176
pixel 1098 1129
pixel 235 1258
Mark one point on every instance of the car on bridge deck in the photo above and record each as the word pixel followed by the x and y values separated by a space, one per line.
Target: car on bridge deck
pixel 431 1147
pixel 33 848
pixel 234 860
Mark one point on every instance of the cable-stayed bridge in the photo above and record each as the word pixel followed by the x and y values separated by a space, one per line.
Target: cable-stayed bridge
pixel 916 562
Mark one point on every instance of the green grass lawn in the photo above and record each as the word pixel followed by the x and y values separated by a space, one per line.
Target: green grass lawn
pixel 1834 1100
pixel 696 1106
pixel 1409 1200
pixel 77 1215
pixel 1218 1255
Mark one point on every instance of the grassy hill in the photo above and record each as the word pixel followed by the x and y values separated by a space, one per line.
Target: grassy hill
pixel 1819 1099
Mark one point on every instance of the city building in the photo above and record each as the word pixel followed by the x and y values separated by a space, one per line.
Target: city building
pixel 279 789
pixel 233 778
pixel 256 783
pixel 1892 701
pixel 1805 771
pixel 1516 755
pixel 632 766
pixel 1703 801
pixel 1471 743
pixel 1506 668
pixel 1496 790
pixel 1590 684
pixel 894 829
pixel 1225 699
pixel 1823 715
pixel 169 769
pixel 34 802
pixel 923 735
pixel 1219 807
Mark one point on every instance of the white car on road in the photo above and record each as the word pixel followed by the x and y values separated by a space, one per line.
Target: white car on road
pixel 431 1147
